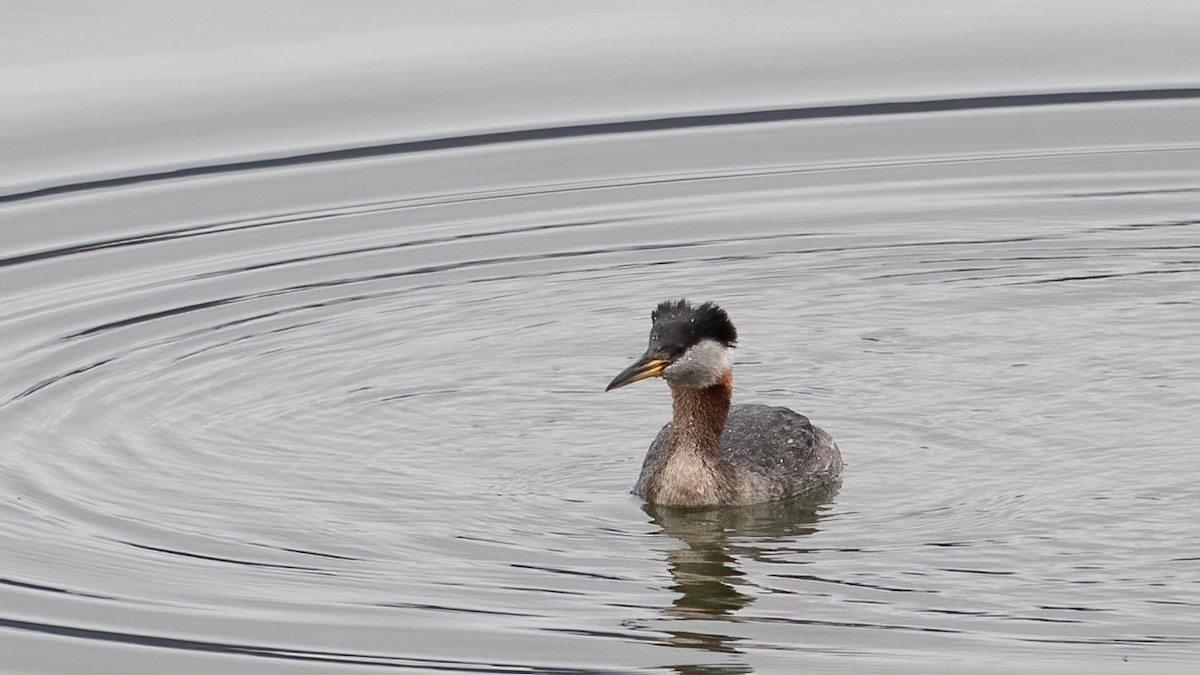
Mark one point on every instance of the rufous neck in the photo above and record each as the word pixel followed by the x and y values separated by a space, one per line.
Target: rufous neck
pixel 698 417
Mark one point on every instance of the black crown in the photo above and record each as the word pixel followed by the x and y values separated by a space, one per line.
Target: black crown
pixel 679 322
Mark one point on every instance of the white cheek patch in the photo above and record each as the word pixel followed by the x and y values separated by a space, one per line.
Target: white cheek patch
pixel 701 366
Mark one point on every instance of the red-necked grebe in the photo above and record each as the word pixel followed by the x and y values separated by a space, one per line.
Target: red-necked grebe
pixel 713 454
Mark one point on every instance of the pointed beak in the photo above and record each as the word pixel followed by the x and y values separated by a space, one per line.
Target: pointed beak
pixel 644 368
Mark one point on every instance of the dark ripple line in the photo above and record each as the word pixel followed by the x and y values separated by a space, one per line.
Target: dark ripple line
pixel 1147 640
pixel 51 589
pixel 451 609
pixel 559 570
pixel 412 243
pixel 213 558
pixel 279 652
pixel 628 127
pixel 1103 276
pixel 826 623
pixel 152 316
pixel 963 570
pixel 57 378
pixel 856 584
pixel 996 615
pixel 317 554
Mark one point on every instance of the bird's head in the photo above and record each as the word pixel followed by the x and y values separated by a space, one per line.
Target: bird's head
pixel 689 347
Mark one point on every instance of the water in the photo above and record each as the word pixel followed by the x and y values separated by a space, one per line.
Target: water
pixel 292 385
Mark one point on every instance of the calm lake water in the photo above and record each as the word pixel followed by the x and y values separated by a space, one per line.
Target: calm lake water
pixel 307 312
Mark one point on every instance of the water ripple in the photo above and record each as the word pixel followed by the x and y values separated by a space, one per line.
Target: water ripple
pixel 693 121
pixel 381 415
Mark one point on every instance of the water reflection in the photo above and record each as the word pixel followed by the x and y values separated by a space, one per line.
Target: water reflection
pixel 705 569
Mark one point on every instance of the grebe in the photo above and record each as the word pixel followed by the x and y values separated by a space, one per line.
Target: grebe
pixel 711 454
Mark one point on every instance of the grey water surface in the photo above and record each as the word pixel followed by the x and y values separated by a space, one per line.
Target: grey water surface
pixel 307 310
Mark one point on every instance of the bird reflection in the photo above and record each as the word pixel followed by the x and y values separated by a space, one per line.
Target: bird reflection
pixel 705 568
